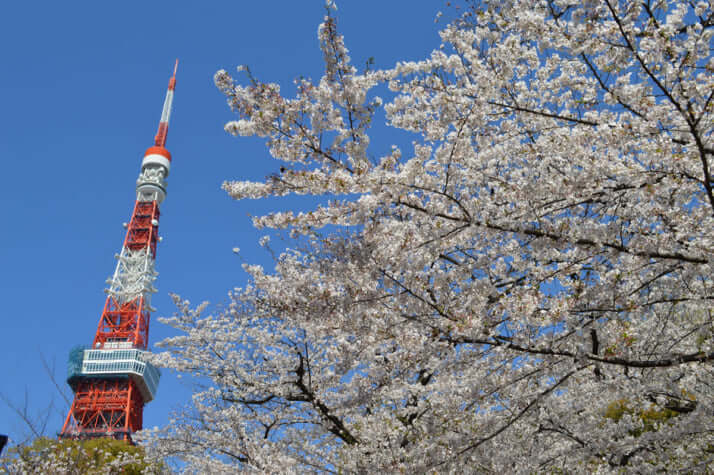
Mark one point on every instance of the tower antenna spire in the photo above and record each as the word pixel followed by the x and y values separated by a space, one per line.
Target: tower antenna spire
pixel 160 139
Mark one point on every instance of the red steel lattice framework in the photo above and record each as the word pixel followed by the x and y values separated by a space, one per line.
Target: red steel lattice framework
pixel 130 321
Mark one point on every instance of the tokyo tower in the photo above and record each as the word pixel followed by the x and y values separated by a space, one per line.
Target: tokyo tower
pixel 112 380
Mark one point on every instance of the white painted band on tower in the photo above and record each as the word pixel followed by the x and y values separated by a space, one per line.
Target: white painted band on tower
pixel 156 159
pixel 166 112
pixel 150 190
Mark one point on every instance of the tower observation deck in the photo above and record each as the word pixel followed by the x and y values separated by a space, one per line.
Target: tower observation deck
pixel 112 380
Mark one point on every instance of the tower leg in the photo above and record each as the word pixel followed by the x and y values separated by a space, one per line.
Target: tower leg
pixel 104 408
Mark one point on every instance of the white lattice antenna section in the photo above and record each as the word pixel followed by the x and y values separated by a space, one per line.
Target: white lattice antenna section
pixel 133 277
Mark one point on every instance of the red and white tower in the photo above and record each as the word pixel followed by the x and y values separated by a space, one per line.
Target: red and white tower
pixel 112 380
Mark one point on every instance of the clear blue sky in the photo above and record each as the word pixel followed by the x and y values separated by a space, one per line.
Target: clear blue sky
pixel 81 89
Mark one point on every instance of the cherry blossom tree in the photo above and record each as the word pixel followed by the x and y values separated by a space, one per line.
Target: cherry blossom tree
pixel 528 287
